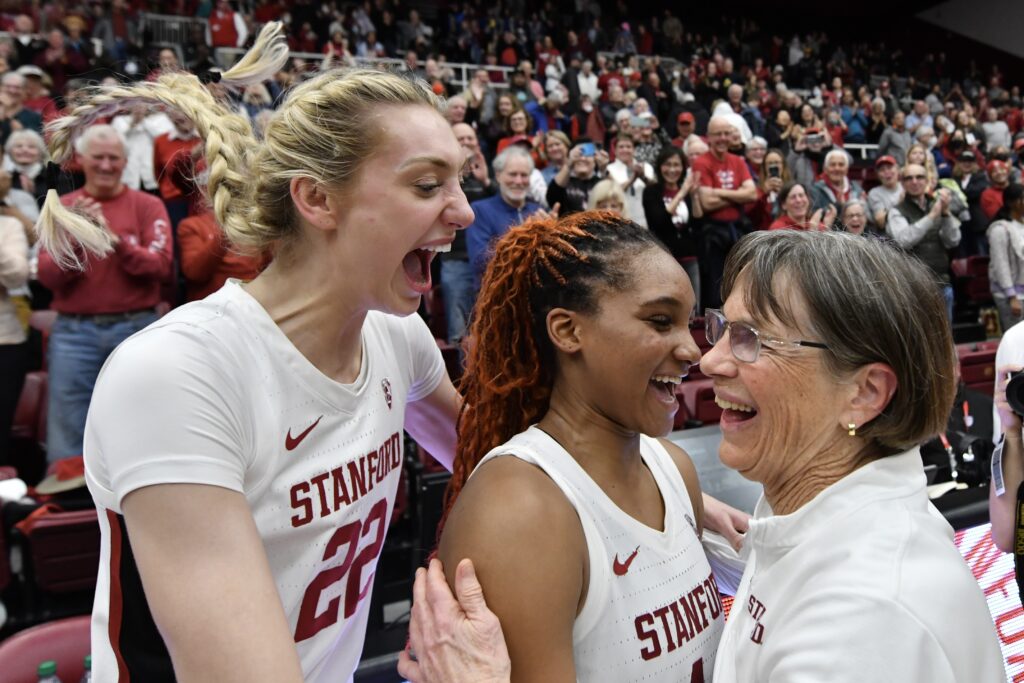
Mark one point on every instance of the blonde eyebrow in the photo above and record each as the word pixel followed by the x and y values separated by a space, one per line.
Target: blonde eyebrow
pixel 433 161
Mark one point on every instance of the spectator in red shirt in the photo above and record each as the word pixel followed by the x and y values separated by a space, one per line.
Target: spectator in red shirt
pixel 992 196
pixel 726 187
pixel 207 261
pixel 100 301
pixel 170 149
pixel 796 211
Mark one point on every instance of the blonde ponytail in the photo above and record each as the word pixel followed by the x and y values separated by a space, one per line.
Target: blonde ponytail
pixel 228 137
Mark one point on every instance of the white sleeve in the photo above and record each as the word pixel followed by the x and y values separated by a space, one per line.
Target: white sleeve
pixel 426 366
pixel 167 409
pixel 726 564
pixel 241 29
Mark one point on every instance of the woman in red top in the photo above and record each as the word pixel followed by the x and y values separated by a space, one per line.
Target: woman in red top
pixel 795 202
pixel 519 124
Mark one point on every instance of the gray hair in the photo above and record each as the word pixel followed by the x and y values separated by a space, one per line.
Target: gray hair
pixel 101 131
pixel 13 76
pixel 511 152
pixel 856 201
pixel 837 153
pixel 922 131
pixel 30 135
pixel 869 302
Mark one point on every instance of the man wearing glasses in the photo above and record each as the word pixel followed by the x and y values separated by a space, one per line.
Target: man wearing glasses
pixel 924 226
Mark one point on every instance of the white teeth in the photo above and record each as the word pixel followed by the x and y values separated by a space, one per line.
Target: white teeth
pixel 441 249
pixel 729 405
pixel 668 379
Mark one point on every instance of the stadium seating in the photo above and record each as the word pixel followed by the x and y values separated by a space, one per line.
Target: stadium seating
pixel 978 366
pixel 64 551
pixel 66 641
pixel 28 431
pixel 699 398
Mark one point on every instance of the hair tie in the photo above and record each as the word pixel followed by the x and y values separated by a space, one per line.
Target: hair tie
pixel 53 176
pixel 209 76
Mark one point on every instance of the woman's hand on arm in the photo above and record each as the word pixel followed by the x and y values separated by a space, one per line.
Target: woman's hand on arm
pixel 209 586
pixel 453 638
pixel 528 549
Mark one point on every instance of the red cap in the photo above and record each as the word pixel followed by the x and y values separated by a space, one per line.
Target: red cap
pixel 885 159
pixel 994 164
pixel 688 118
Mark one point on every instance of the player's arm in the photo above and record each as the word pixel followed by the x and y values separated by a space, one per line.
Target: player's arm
pixel 431 421
pixel 1002 509
pixel 528 548
pixel 209 585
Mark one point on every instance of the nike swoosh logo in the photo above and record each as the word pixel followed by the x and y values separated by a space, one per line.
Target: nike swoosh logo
pixel 620 568
pixel 292 442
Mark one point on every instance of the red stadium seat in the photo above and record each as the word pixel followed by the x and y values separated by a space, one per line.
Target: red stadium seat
pixel 66 641
pixel 28 431
pixel 978 367
pixel 65 550
pixel 699 398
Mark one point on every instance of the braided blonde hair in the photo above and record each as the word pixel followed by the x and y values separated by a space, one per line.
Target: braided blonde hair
pixel 324 130
pixel 68 235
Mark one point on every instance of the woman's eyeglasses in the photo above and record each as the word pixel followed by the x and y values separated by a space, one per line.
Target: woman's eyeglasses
pixel 745 341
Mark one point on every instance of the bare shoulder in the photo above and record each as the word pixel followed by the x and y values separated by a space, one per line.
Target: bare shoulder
pixel 529 551
pixel 509 499
pixel 689 473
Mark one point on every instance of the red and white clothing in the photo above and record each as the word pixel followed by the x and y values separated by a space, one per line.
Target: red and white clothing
pixel 127 279
pixel 727 173
pixel 861 585
pixel 226 400
pixel 169 150
pixel 652 610
pixel 226 28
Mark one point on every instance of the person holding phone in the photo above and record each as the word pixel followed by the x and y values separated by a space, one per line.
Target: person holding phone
pixel 570 188
pixel 772 175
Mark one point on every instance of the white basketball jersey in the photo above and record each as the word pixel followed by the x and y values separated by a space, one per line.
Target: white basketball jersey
pixel 652 611
pixel 215 393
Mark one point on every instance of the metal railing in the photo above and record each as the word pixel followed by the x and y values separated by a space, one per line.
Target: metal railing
pixel 866 151
pixel 172 29
pixel 462 72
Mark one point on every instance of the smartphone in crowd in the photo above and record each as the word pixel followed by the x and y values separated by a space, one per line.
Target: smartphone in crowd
pixel 588 149
pixel 774 171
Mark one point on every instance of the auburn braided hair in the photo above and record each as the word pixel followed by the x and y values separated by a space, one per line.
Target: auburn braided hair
pixel 538 266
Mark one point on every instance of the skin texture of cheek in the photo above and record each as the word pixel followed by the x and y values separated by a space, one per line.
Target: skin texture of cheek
pixel 795 423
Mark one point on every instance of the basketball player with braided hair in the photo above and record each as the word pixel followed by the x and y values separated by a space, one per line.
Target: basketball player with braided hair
pixel 245 451
pixel 587 541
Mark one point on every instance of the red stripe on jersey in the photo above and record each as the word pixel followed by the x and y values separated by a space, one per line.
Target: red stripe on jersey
pixel 116 607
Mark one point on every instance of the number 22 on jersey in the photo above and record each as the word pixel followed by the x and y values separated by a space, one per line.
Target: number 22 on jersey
pixel 348 537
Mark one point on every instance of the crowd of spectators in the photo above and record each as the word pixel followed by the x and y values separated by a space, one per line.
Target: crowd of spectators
pixel 700 133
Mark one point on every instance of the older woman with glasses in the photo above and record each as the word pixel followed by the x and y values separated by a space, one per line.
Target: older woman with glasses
pixel 830 369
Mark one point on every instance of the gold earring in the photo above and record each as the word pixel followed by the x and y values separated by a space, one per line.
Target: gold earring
pixel 852 429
